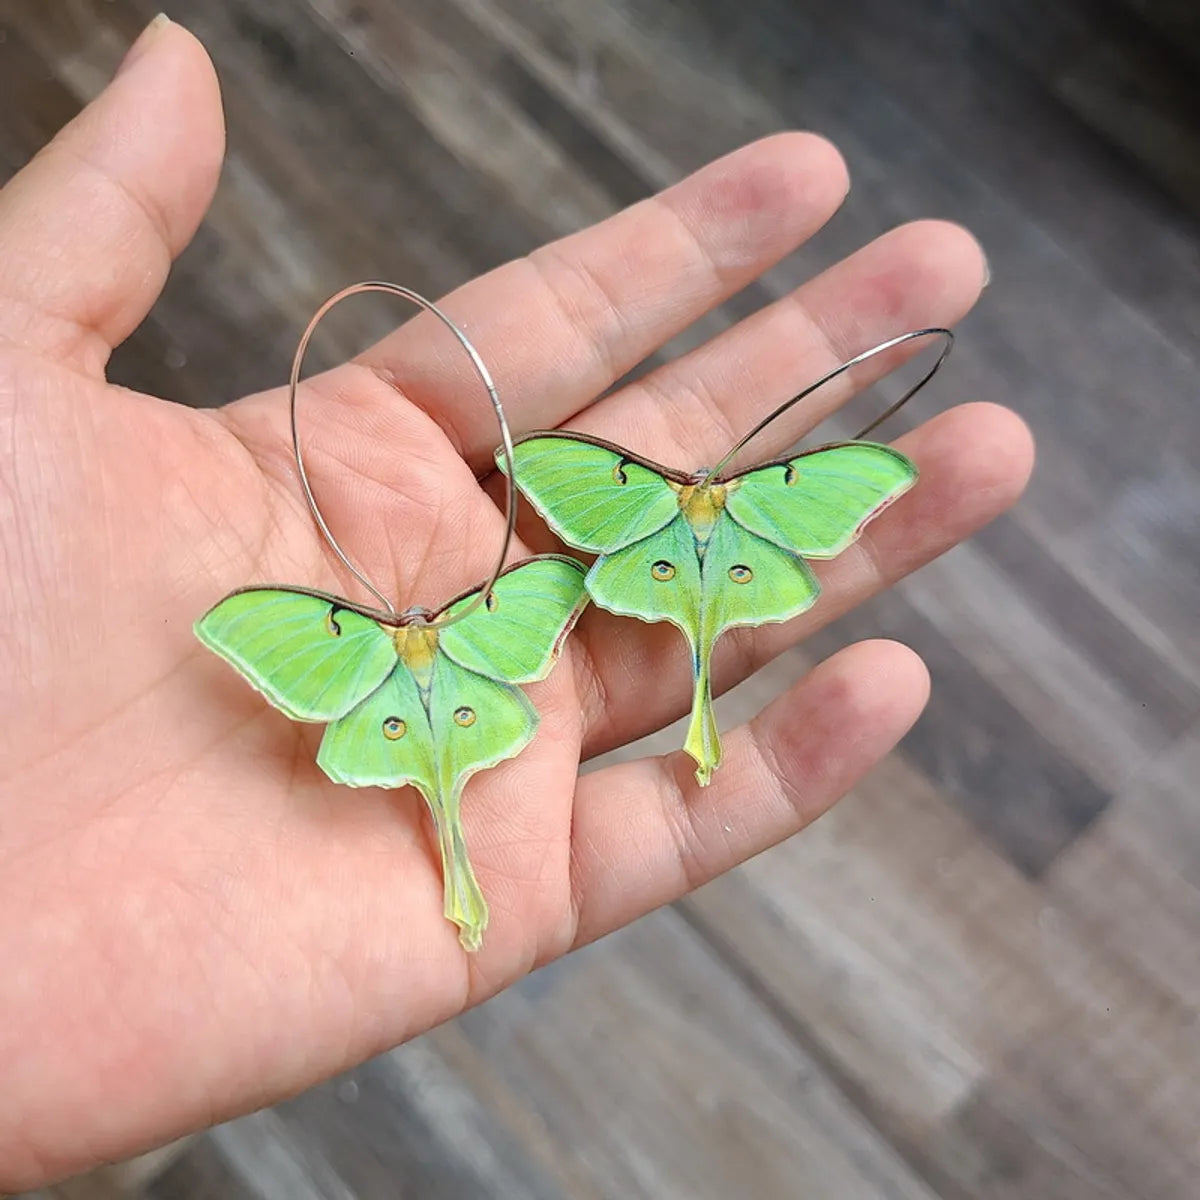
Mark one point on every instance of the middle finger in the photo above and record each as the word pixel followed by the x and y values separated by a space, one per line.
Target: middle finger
pixel 560 326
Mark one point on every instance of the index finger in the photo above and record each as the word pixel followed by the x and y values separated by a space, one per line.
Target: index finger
pixel 560 326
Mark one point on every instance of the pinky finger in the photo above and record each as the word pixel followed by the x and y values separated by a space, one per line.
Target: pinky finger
pixel 645 833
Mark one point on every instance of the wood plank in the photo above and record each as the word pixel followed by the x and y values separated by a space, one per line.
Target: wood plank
pixel 1021 651
pixel 893 966
pixel 202 1173
pixel 1162 801
pixel 1114 71
pixel 1067 1116
pixel 38 102
pixel 1032 804
pixel 455 98
pixel 1000 1154
pixel 264 1154
pixel 1134 879
pixel 936 979
pixel 668 1079
pixel 407 1125
pixel 1130 651
pixel 1176 20
pixel 1118 882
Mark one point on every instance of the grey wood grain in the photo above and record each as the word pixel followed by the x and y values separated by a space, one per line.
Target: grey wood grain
pixel 1114 70
pixel 1176 20
pixel 1135 877
pixel 937 1015
pixel 1033 803
pixel 1147 674
pixel 201 1173
pixel 685 1085
pixel 405 1125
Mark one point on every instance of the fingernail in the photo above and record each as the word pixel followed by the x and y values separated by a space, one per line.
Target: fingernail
pixel 987 271
pixel 144 41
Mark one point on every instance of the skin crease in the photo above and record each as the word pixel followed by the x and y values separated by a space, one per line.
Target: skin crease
pixel 193 921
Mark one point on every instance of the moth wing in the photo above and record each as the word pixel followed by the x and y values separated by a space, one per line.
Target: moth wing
pixel 307 654
pixel 593 496
pixel 655 579
pixel 516 635
pixel 384 741
pixel 746 580
pixel 476 722
pixel 817 504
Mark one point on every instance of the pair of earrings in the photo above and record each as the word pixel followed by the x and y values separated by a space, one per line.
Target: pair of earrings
pixel 429 698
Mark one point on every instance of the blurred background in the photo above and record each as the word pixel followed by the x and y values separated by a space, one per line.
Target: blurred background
pixel 978 976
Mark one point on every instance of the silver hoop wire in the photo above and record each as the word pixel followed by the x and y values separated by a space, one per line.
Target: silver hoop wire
pixel 388 611
pixel 890 411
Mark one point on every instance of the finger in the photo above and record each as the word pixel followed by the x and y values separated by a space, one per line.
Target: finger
pixel 89 227
pixel 645 833
pixel 693 409
pixel 974 461
pixel 560 326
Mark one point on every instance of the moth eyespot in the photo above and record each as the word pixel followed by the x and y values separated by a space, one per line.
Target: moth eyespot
pixel 790 475
pixel 663 570
pixel 491 603
pixel 618 473
pixel 331 625
pixel 464 716
pixel 394 729
pixel 740 573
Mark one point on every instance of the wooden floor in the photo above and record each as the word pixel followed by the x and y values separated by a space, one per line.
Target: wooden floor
pixel 978 977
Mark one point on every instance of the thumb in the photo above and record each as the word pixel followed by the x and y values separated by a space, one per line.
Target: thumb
pixel 89 227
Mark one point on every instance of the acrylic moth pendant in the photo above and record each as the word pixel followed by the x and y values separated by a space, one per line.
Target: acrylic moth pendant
pixel 406 699
pixel 706 553
pixel 416 698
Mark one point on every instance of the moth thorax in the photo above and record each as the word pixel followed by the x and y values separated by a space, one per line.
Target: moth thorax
pixel 416 646
pixel 701 505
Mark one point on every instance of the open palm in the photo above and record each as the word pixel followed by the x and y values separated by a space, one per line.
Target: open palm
pixel 193 920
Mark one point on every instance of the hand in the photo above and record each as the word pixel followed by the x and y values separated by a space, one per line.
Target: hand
pixel 193 921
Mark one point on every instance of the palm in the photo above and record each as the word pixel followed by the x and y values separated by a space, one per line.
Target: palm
pixel 189 896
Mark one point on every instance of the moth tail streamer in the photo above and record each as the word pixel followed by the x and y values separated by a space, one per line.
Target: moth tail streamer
pixel 464 902
pixel 703 740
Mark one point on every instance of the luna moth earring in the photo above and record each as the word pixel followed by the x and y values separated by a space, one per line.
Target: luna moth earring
pixel 414 697
pixel 709 550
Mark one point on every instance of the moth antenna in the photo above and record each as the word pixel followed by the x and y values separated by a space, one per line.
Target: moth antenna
pixel 890 411
pixel 395 289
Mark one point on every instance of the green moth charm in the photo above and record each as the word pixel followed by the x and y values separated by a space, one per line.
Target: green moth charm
pixel 706 551
pixel 414 698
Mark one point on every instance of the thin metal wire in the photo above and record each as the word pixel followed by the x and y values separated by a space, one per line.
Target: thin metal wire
pixel 839 370
pixel 394 289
